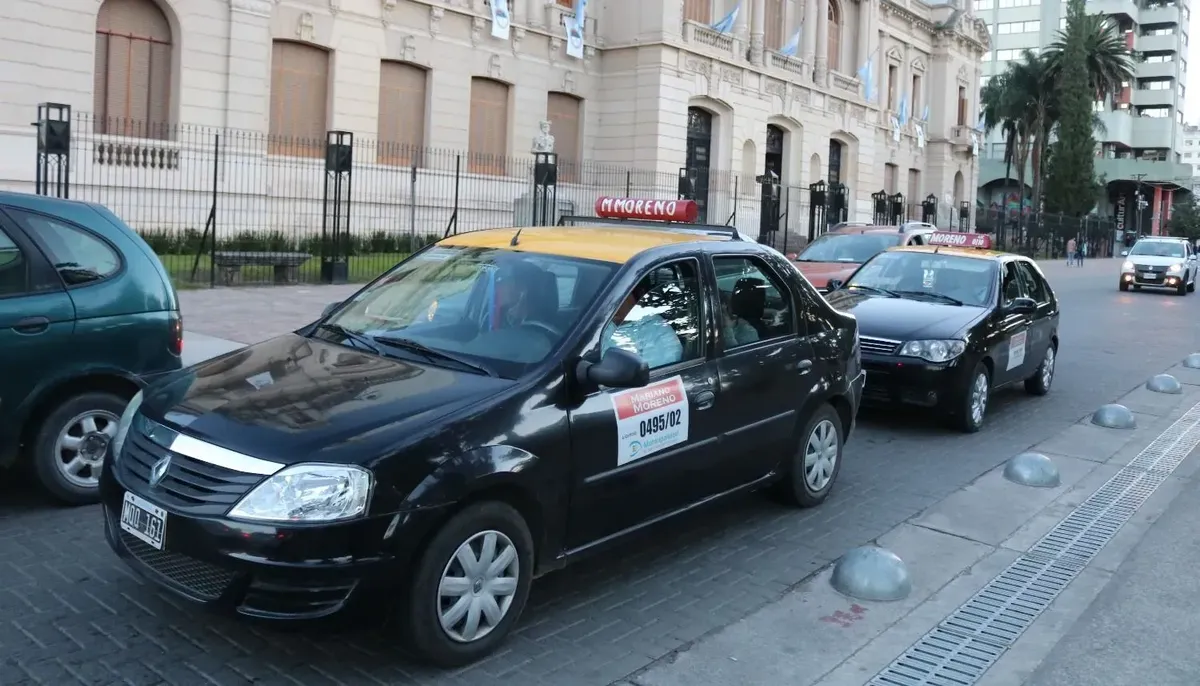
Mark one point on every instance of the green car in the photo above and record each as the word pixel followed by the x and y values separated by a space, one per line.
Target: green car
pixel 88 317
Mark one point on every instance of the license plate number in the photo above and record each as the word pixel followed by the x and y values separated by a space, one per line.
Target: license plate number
pixel 144 520
pixel 1149 275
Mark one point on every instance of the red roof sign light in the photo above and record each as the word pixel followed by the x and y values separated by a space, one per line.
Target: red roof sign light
pixel 647 209
pixel 960 240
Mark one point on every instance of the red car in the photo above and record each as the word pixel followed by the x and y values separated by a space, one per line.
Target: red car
pixel 836 254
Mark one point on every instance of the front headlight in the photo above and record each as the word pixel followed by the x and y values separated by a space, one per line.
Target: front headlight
pixel 1126 266
pixel 1175 269
pixel 933 351
pixel 307 493
pixel 118 441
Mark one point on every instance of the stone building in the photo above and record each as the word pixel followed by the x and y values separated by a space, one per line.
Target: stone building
pixel 655 89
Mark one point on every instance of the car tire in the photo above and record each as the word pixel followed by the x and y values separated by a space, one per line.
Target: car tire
pixel 1192 286
pixel 822 440
pixel 423 614
pixel 1123 285
pixel 89 418
pixel 1182 288
pixel 963 415
pixel 1043 378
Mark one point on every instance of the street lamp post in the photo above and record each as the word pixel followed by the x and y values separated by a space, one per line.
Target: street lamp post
pixel 1140 203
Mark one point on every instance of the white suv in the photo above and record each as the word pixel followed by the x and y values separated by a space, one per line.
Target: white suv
pixel 1159 263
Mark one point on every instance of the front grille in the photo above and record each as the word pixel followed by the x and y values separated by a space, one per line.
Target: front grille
pixel 201 579
pixel 190 486
pixel 878 346
pixel 295 598
pixel 1157 269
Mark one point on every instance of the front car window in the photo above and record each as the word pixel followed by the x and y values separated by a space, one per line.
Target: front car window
pixel 504 309
pixel 660 320
pixel 968 280
pixel 14 270
pixel 1158 249
pixel 853 248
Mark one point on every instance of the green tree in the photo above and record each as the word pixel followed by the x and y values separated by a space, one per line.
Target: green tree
pixel 1107 58
pixel 1071 185
pixel 1185 220
pixel 1018 102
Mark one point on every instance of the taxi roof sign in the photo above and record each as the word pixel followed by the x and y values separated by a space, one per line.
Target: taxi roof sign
pixel 684 211
pixel 981 241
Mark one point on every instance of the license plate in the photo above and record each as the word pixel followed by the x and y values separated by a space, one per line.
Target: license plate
pixel 144 519
pixel 1149 275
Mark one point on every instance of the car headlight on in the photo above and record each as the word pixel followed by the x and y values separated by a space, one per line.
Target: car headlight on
pixel 933 351
pixel 118 441
pixel 1126 266
pixel 307 493
pixel 1175 269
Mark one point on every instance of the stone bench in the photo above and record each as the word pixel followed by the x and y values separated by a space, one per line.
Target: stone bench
pixel 286 265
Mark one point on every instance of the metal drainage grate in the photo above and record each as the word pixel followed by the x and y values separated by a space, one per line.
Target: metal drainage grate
pixel 963 646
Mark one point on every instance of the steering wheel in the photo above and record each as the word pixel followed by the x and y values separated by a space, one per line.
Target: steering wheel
pixel 548 330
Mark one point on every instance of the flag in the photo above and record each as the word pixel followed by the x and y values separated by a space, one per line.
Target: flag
pixel 726 23
pixel 866 74
pixel 792 46
pixel 902 113
pixel 501 20
pixel 925 114
pixel 575 29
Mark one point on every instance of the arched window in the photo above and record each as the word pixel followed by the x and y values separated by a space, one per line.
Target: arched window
pixel 563 111
pixel 299 99
pixel 774 20
pixel 699 11
pixel 487 140
pixel 132 81
pixel 835 36
pixel 402 99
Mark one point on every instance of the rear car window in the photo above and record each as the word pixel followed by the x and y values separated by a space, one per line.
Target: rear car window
pixel 854 248
pixel 78 256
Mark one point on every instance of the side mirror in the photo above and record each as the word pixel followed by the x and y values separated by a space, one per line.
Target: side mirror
pixel 1124 253
pixel 1022 306
pixel 618 368
pixel 833 285
pixel 329 309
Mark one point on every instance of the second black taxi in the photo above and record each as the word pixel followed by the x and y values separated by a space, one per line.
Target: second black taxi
pixel 945 324
pixel 497 405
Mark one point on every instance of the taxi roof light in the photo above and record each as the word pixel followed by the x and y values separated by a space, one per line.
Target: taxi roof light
pixel 649 213
pixel 978 241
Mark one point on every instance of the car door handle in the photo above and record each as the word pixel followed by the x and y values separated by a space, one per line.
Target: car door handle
pixel 31 325
pixel 705 400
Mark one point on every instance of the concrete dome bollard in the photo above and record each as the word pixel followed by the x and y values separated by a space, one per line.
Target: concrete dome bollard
pixel 1032 469
pixel 1192 361
pixel 1164 383
pixel 1114 416
pixel 871 573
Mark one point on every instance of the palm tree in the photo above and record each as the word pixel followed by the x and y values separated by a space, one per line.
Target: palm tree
pixel 1018 102
pixel 1109 64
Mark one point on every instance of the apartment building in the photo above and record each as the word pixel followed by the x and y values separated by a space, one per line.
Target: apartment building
pixel 1142 139
pixel 655 88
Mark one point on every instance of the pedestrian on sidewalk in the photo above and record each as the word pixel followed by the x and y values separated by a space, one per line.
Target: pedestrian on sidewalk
pixel 1083 249
pixel 1070 251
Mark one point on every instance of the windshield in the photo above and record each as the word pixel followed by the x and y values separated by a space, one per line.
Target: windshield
pixel 854 248
pixel 933 276
pixel 500 309
pixel 1157 249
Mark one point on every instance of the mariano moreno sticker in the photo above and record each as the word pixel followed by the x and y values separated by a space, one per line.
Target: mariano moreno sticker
pixel 650 419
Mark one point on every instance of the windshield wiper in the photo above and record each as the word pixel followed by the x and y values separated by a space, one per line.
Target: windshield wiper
pixel 873 289
pixel 362 340
pixel 433 354
pixel 936 296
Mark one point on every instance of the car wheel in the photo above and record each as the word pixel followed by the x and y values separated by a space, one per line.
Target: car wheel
pixel 71 443
pixel 470 586
pixel 1123 285
pixel 817 460
pixel 972 407
pixel 1182 288
pixel 1039 383
pixel 1192 286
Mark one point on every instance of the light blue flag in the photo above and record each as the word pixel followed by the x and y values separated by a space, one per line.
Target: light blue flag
pixel 902 113
pixel 925 114
pixel 866 74
pixel 792 46
pixel 726 24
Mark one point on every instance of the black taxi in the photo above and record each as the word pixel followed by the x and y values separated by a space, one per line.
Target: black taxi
pixel 945 324
pixel 497 405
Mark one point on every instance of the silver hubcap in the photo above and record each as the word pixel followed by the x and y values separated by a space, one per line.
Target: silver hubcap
pixel 80 449
pixel 820 455
pixel 979 398
pixel 1048 367
pixel 478 586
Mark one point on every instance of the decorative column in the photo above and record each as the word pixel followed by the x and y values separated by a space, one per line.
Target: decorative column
pixel 821 68
pixel 808 36
pixel 757 25
pixel 789 20
pixel 535 12
pixel 866 31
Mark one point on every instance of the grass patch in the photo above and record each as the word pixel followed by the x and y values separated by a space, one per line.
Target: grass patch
pixel 362 268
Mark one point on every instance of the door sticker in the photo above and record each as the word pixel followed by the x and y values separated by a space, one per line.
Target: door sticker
pixel 650 419
pixel 1016 350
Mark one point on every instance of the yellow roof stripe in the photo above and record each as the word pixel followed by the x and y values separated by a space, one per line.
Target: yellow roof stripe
pixel 604 244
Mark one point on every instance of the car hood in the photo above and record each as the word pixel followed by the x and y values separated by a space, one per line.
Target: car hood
pixel 294 399
pixel 819 273
pixel 1154 260
pixel 902 319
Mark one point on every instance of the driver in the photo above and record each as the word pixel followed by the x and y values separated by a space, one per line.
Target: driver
pixel 649 336
pixel 515 283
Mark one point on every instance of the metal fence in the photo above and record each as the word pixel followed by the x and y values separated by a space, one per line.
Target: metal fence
pixel 1045 234
pixel 229 207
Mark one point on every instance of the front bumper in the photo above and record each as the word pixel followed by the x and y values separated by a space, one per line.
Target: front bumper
pixel 266 570
pixel 912 381
pixel 1158 280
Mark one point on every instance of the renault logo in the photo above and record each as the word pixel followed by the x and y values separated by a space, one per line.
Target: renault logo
pixel 159 470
